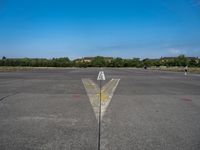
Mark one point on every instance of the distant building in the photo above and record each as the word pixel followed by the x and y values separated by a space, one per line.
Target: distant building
pixel 89 59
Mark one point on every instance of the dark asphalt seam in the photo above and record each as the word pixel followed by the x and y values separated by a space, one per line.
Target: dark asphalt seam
pixel 99 134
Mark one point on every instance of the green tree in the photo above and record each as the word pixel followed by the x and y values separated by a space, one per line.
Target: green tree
pixel 126 63
pixel 147 62
pixel 157 63
pixel 135 62
pixel 192 63
pixel 198 64
pixel 182 60
pixel 98 61
pixel 118 62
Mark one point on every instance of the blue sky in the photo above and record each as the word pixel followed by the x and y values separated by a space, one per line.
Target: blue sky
pixel 78 28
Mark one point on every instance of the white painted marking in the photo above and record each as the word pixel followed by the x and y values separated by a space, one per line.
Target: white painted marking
pixel 101 76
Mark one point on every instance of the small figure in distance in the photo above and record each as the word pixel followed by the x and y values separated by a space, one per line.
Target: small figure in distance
pixel 145 67
pixel 186 70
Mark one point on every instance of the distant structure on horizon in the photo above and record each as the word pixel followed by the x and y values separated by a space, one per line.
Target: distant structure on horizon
pixel 89 59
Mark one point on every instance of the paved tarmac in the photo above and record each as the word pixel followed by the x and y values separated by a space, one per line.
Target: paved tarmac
pixel 50 110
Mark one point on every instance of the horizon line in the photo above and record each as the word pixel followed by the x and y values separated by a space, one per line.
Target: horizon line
pixel 100 56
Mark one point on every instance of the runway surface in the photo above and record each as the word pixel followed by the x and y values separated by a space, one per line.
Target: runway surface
pixel 50 109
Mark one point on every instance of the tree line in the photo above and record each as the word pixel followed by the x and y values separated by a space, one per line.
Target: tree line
pixel 100 61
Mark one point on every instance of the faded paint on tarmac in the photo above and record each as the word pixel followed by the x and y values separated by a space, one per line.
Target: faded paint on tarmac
pixel 93 92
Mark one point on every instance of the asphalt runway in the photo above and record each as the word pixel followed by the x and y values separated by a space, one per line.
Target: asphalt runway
pixel 50 110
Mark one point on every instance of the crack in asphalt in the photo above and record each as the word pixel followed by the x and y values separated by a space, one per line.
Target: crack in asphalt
pixel 3 98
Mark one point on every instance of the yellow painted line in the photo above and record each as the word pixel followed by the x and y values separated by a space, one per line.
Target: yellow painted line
pixel 104 96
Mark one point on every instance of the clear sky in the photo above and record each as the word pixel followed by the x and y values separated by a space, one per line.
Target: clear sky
pixel 78 28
